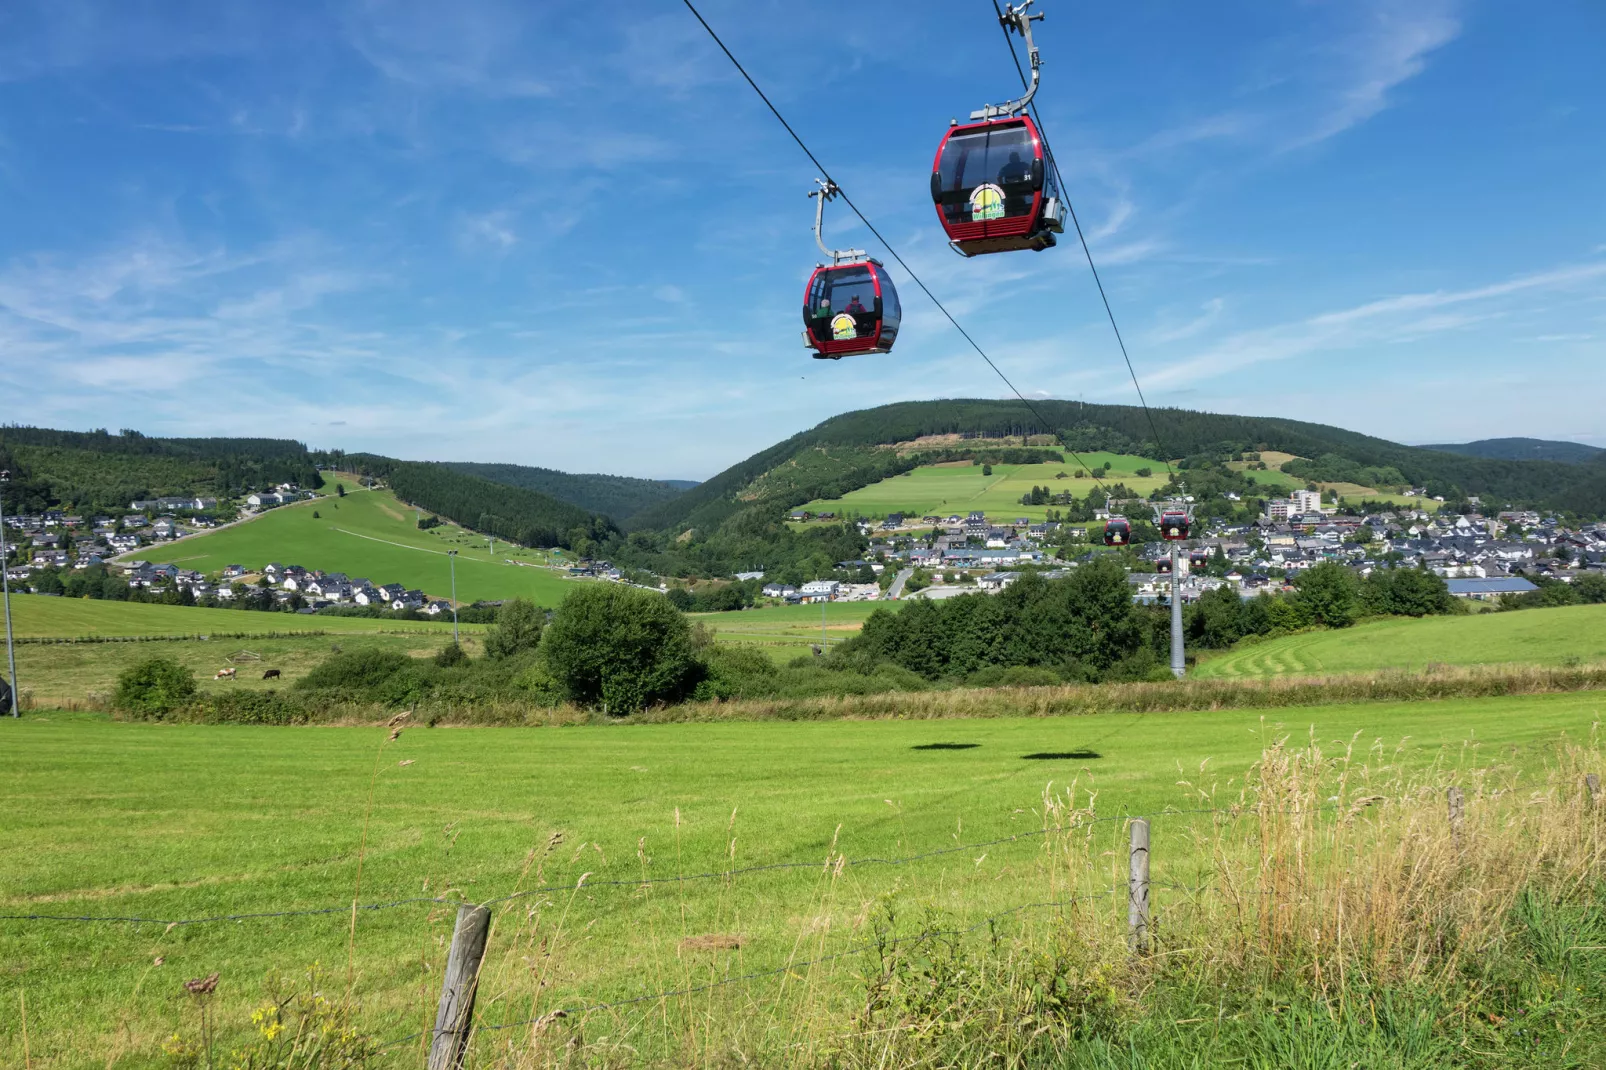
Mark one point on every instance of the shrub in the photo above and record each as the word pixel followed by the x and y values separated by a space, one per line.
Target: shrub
pixel 518 628
pixel 248 707
pixel 358 670
pixel 451 654
pixel 620 648
pixel 154 687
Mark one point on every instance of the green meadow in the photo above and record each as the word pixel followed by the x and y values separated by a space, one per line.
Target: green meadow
pixel 961 487
pixel 369 534
pixel 1565 635
pixel 35 615
pixel 74 674
pixel 169 823
pixel 784 632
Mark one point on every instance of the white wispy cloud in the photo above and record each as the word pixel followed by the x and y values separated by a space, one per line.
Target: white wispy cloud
pixel 1390 47
pixel 1375 322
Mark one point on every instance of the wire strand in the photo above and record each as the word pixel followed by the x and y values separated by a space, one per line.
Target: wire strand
pixel 1077 223
pixel 1047 424
pixel 643 882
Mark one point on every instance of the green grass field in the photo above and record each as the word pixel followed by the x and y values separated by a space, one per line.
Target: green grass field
pixel 72 674
pixel 39 615
pixel 961 488
pixel 370 534
pixel 1534 637
pixel 784 632
pixel 172 822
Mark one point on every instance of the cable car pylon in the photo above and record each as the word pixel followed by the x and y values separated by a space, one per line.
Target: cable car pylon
pixel 1175 521
pixel 850 306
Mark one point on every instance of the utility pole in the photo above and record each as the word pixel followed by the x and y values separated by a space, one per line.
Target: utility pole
pixel 1178 657
pixel 451 555
pixel 5 582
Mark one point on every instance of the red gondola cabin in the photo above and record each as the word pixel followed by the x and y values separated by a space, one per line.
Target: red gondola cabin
pixel 850 309
pixel 1117 531
pixel 1174 525
pixel 994 189
pixel 1163 565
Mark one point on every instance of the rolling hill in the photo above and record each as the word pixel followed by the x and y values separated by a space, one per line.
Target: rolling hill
pixel 371 534
pixel 617 497
pixel 850 451
pixel 1524 449
pixel 98 470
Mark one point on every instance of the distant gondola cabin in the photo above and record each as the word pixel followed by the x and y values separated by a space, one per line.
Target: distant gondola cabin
pixel 850 309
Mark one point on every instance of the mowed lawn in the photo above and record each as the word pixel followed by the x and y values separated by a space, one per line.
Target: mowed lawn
pixel 1568 634
pixel 35 615
pixel 961 488
pixel 170 823
pixel 369 534
pixel 784 632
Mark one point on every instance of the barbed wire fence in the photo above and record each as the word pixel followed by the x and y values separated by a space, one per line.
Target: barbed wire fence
pixel 456 1020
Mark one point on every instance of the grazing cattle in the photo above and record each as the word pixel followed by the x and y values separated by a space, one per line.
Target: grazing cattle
pixel 271 674
pixel 225 674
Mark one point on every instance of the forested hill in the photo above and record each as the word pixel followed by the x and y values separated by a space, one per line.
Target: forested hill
pixel 90 470
pixel 1525 449
pixel 840 454
pixel 619 497
pixel 523 516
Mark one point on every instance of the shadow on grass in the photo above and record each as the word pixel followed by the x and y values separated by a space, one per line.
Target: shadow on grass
pixel 945 746
pixel 1060 755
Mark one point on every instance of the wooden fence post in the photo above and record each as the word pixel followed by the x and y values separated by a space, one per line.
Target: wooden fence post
pixel 1592 782
pixel 454 1019
pixel 1456 803
pixel 1137 899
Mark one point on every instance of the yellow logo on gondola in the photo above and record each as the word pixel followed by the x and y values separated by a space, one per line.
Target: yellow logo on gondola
pixel 844 327
pixel 986 202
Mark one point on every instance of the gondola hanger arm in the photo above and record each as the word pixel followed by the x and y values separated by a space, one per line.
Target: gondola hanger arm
pixel 1019 19
pixel 828 191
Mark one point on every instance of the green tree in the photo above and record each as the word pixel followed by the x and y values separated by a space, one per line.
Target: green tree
pixel 340 490
pixel 518 628
pixel 1329 594
pixel 620 648
pixel 154 687
pixel 1406 592
pixel 986 469
pixel 1590 587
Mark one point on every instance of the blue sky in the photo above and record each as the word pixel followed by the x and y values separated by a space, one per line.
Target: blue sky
pixel 568 235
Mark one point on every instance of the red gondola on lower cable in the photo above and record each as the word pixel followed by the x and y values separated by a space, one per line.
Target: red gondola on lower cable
pixel 1198 558
pixel 1174 525
pixel 850 309
pixel 1117 531
pixel 994 189
pixel 1163 564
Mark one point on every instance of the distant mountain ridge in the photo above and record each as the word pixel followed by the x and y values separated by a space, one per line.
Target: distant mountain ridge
pixel 618 497
pixel 1524 449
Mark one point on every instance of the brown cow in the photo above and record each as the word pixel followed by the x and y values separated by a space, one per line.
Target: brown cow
pixel 225 674
pixel 271 674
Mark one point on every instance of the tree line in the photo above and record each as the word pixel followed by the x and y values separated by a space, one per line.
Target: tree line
pixel 523 516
